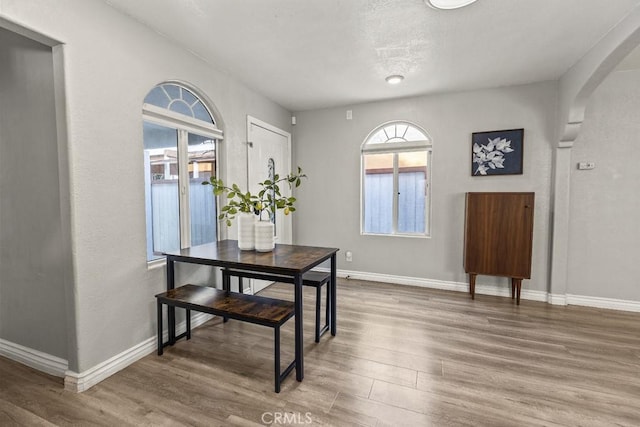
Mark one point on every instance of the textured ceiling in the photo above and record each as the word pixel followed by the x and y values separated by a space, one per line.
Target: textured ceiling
pixel 308 54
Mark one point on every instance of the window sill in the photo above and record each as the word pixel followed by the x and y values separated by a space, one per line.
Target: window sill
pixel 156 263
pixel 410 236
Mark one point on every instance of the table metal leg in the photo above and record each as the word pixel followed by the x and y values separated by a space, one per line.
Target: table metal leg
pixel 171 311
pixel 333 294
pixel 276 357
pixel 226 286
pixel 159 312
pixel 297 284
pixel 318 305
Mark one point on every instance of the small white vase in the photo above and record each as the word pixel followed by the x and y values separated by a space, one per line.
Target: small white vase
pixel 246 231
pixel 264 236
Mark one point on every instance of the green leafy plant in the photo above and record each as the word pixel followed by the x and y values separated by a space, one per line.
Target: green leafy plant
pixel 269 198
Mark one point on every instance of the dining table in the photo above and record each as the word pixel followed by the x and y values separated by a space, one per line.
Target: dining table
pixel 290 261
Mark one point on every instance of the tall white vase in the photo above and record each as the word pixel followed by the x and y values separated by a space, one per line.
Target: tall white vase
pixel 246 231
pixel 264 236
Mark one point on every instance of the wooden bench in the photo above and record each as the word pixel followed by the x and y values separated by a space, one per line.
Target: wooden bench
pixel 314 279
pixel 247 308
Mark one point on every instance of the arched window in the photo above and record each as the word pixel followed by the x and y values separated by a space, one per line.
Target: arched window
pixel 396 168
pixel 180 139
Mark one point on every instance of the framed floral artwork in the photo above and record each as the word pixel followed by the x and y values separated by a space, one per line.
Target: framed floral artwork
pixel 499 152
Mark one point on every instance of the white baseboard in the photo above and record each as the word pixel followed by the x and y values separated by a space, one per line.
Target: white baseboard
pixel 79 382
pixel 608 303
pixel 503 291
pixel 557 299
pixel 35 359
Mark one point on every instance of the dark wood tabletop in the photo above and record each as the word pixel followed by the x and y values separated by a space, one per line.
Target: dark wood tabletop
pixel 284 259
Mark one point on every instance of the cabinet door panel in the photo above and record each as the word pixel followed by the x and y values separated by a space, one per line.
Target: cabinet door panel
pixel 498 234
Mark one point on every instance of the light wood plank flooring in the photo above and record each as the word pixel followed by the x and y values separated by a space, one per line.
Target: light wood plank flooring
pixel 402 356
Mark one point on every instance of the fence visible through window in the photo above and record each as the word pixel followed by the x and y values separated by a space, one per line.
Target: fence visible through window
pixel 396 169
pixel 180 153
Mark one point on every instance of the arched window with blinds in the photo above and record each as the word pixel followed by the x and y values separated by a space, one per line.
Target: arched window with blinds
pixel 180 139
pixel 396 169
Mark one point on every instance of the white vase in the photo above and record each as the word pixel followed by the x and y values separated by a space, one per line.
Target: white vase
pixel 264 236
pixel 246 231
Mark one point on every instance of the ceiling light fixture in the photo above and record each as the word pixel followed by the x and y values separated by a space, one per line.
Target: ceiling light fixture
pixel 395 79
pixel 448 4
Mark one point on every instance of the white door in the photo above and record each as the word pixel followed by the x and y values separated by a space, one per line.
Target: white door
pixel 269 154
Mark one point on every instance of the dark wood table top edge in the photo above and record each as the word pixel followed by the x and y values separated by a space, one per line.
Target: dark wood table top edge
pixel 230 257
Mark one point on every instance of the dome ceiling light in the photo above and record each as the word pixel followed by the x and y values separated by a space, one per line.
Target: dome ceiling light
pixel 448 4
pixel 395 79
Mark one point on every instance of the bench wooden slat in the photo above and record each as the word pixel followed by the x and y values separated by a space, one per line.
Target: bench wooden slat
pixel 315 277
pixel 250 308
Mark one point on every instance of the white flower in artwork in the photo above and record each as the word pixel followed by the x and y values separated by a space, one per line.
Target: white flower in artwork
pixel 498 162
pixel 503 145
pixel 482 170
pixel 491 155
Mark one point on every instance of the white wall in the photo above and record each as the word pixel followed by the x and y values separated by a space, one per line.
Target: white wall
pixel 605 202
pixel 327 146
pixel 32 291
pixel 111 62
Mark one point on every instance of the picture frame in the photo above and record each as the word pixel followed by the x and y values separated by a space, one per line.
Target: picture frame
pixel 498 152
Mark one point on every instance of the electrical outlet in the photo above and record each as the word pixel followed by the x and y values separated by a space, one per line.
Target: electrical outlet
pixel 348 256
pixel 586 166
pixel 349 114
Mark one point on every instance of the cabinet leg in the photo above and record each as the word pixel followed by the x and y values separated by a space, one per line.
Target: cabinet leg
pixel 518 288
pixel 472 285
pixel 513 288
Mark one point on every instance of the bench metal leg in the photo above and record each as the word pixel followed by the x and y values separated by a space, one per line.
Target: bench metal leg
pixel 318 301
pixel 160 344
pixel 187 333
pixel 328 315
pixel 279 377
pixel 240 285
pixel 321 330
pixel 188 319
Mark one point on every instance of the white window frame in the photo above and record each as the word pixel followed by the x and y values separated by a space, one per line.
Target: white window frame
pixel 183 125
pixel 397 148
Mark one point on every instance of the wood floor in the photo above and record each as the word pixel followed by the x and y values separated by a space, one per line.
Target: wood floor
pixel 402 356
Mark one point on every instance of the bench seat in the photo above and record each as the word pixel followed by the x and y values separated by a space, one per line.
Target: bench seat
pixel 315 279
pixel 247 308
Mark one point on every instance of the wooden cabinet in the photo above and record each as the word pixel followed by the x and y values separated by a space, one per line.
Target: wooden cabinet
pixel 498 237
